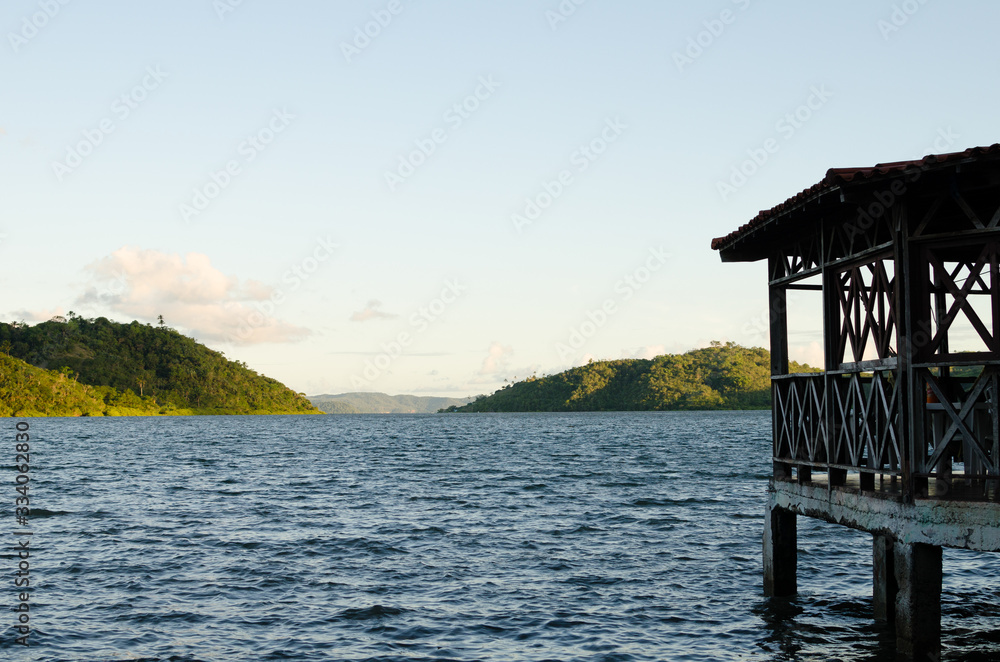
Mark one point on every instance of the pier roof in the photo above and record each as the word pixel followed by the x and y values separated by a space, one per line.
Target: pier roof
pixel 751 240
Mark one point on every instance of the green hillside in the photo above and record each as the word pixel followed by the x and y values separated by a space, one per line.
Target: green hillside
pixel 29 391
pixel 717 377
pixel 149 369
pixel 380 403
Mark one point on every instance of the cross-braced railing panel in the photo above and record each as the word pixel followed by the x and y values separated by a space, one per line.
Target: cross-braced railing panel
pixel 866 421
pixel 867 327
pixel 960 423
pixel 848 421
pixel 800 419
pixel 957 276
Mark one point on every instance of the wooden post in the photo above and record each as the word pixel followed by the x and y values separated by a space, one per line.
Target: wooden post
pixel 884 578
pixel 780 553
pixel 831 361
pixel 918 601
pixel 778 306
pixel 912 314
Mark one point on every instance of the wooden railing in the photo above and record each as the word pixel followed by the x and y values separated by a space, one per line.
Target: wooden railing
pixel 840 421
pixel 958 425
pixel 844 422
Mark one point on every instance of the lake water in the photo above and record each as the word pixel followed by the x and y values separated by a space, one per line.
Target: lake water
pixel 603 537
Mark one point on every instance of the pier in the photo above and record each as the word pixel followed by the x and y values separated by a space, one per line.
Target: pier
pixel 898 435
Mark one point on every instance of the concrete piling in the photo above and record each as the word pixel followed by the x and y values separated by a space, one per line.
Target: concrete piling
pixel 780 553
pixel 918 602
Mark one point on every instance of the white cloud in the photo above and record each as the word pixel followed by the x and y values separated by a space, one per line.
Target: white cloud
pixel 371 311
pixel 37 315
pixel 810 353
pixel 647 352
pixel 190 294
pixel 498 359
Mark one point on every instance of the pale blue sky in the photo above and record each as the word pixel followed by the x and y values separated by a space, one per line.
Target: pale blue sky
pixel 437 261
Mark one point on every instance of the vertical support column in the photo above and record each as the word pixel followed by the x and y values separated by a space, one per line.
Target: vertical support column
pixel 831 361
pixel 918 602
pixel 778 306
pixel 780 557
pixel 913 332
pixel 884 578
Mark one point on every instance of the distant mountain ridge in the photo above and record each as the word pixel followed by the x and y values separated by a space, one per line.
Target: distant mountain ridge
pixel 381 403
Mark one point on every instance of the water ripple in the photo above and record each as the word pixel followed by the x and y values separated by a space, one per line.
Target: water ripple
pixel 594 537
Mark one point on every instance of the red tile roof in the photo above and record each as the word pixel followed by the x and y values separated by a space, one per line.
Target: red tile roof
pixel 837 177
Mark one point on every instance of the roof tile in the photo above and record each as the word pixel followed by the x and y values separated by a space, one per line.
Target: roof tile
pixel 836 177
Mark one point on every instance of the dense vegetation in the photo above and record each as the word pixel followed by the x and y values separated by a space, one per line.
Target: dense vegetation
pixel 29 391
pixel 132 368
pixel 717 377
pixel 380 403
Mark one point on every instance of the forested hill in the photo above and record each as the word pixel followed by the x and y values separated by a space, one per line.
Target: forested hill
pixel 152 369
pixel 717 377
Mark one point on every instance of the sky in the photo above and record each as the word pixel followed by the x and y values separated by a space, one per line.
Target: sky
pixel 435 197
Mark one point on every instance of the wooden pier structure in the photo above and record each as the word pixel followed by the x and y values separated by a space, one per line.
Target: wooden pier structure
pixel 899 435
